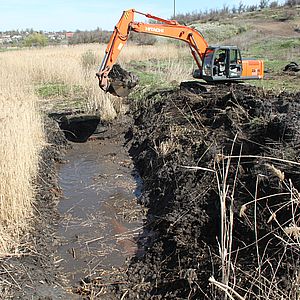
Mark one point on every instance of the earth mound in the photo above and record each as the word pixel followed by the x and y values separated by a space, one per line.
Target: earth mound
pixel 221 179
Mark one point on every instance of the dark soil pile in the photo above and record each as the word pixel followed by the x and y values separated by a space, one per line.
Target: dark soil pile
pixel 292 67
pixel 118 73
pixel 245 145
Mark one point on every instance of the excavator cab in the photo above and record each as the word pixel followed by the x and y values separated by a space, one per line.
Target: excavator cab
pixel 222 63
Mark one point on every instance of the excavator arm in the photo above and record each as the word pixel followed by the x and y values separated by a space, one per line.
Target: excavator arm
pixel 166 28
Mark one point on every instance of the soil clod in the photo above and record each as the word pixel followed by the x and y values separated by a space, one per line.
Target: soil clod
pixel 292 67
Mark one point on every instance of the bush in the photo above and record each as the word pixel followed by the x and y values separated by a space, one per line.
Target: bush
pixel 36 40
pixel 93 36
pixel 273 4
pixel 292 3
pixel 88 59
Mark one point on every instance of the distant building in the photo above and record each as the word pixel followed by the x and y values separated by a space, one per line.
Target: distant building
pixel 17 37
pixel 69 34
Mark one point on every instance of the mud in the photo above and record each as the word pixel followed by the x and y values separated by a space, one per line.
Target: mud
pixel 100 215
pixel 175 131
pixel 292 67
pixel 78 128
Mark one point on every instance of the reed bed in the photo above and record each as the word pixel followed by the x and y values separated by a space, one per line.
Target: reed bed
pixel 74 68
pixel 21 139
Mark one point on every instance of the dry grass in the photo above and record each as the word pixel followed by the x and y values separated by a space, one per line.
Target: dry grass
pixel 21 138
pixel 287 233
pixel 75 68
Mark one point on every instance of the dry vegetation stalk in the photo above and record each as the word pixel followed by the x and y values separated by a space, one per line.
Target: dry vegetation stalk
pixel 227 216
pixel 74 68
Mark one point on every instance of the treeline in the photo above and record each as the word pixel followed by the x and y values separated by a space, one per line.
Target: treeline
pixel 103 36
pixel 93 36
pixel 216 14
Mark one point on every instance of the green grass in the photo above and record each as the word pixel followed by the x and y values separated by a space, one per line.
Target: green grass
pixel 278 84
pixel 53 90
pixel 215 32
pixel 145 71
pixel 279 49
pixel 275 66
pixel 277 53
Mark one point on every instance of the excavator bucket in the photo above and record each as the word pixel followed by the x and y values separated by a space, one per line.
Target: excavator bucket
pixel 118 88
pixel 121 82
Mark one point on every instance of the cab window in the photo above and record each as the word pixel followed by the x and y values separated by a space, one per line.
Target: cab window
pixel 233 56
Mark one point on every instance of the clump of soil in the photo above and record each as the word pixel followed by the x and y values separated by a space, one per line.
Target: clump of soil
pixel 121 81
pixel 230 154
pixel 292 67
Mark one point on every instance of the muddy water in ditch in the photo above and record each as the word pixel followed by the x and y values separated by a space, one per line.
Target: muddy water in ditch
pixel 100 217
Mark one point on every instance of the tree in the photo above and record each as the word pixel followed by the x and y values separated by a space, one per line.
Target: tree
pixel 36 40
pixel 241 7
pixel 263 4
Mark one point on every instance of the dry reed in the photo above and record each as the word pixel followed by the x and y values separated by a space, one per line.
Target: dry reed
pixel 21 138
pixel 75 67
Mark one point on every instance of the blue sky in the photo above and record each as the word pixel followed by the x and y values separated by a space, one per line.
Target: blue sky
pixel 90 14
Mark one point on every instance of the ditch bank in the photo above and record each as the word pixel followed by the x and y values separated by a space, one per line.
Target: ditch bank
pixel 220 167
pixel 32 273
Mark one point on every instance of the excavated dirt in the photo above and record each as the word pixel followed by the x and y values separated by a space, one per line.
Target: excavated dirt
pixel 181 143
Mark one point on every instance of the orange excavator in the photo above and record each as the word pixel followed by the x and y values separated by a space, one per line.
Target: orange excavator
pixel 215 63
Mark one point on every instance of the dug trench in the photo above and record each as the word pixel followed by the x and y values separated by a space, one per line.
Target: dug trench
pixel 220 167
pixel 100 217
pixel 87 216
pixel 209 158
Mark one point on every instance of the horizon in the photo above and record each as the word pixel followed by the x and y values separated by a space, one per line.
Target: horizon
pixel 80 15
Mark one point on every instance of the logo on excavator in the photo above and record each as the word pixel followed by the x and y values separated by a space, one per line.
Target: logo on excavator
pixel 153 29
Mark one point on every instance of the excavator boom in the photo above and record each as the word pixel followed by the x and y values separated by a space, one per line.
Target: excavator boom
pixel 116 43
pixel 167 28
